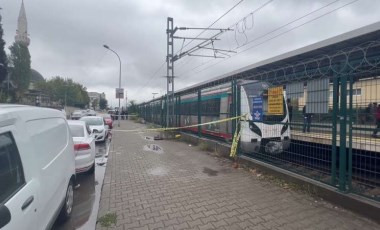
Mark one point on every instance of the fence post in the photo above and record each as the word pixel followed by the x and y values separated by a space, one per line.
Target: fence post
pixel 349 176
pixel 238 113
pixel 199 114
pixel 233 107
pixel 334 128
pixel 179 112
pixel 343 134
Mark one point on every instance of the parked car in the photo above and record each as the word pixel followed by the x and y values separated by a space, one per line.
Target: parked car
pixel 37 167
pixel 77 114
pixel 90 112
pixel 97 127
pixel 108 120
pixel 84 146
pixel 112 113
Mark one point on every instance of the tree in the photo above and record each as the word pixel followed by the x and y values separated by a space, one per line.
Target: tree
pixel 60 90
pixel 103 103
pixel 133 107
pixel 20 60
pixel 3 56
pixel 95 103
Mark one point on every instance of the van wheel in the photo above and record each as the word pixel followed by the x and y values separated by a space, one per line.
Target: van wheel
pixel 92 169
pixel 67 207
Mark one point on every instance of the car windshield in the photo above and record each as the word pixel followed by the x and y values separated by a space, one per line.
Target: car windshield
pixel 76 130
pixel 92 121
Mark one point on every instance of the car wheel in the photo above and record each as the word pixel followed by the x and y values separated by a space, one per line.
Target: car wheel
pixel 92 169
pixel 67 207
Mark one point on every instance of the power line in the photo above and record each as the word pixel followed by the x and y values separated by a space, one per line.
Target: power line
pixel 162 65
pixel 274 36
pixel 204 44
pixel 299 25
pixel 212 24
pixel 150 79
pixel 278 28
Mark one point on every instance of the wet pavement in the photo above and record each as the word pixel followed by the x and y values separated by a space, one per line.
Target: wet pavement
pixel 87 195
pixel 165 184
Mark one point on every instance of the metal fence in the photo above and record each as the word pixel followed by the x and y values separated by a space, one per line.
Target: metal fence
pixel 331 105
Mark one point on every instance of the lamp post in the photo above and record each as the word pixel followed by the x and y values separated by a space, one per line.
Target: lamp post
pixel 107 47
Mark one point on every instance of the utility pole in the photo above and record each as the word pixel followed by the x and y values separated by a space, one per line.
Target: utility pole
pixel 170 72
pixel 207 43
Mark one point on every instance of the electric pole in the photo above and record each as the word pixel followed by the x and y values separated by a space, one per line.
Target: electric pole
pixel 207 43
pixel 170 72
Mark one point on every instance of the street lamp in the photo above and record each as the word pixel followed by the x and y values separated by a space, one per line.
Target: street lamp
pixel 107 47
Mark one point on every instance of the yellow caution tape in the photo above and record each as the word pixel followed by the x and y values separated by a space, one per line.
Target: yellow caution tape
pixel 235 143
pixel 181 127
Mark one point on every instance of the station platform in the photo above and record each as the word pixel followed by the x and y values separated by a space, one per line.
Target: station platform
pixel 168 184
pixel 365 142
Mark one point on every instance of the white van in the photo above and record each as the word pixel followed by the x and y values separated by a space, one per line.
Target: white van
pixel 37 167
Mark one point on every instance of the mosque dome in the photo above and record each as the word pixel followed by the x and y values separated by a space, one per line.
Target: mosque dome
pixel 35 76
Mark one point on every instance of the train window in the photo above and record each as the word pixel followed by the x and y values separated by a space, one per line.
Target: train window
pixel 211 107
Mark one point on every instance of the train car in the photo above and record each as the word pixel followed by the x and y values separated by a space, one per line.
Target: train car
pixel 262 131
pixel 269 133
pixel 215 105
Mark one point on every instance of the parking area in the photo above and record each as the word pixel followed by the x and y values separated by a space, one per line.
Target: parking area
pixel 87 194
pixel 164 184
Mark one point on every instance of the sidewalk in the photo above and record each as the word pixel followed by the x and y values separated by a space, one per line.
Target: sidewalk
pixel 177 186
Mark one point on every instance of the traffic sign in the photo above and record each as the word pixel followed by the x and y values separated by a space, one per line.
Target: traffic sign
pixel 119 93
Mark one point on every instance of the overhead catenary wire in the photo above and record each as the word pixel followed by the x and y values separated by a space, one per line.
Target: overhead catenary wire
pixel 269 39
pixel 206 43
pixel 228 11
pixel 151 78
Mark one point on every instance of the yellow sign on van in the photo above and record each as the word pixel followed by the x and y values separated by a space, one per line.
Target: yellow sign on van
pixel 276 101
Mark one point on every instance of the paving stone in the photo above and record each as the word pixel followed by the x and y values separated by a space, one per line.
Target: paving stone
pixel 172 190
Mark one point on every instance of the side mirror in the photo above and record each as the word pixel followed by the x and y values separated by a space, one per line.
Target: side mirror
pixel 5 215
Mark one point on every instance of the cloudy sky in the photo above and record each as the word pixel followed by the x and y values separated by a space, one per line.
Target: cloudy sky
pixel 67 36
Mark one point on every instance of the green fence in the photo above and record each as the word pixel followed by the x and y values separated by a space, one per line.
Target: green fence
pixel 334 117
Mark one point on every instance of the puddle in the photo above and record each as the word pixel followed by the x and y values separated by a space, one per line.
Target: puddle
pixel 210 172
pixel 154 148
pixel 159 171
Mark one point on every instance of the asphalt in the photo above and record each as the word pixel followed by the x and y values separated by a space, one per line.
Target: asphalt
pixel 168 184
pixel 87 194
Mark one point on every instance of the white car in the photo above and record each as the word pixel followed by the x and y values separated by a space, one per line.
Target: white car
pixel 37 167
pixel 77 114
pixel 84 146
pixel 97 126
pixel 90 112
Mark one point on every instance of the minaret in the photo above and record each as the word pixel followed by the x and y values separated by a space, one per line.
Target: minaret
pixel 22 27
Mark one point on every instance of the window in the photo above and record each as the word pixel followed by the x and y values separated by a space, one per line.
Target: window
pixel 357 92
pixel 11 172
pixel 76 130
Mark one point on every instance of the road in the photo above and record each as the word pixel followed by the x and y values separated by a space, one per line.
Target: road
pixel 87 195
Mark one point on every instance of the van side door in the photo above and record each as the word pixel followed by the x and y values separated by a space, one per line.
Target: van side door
pixel 17 196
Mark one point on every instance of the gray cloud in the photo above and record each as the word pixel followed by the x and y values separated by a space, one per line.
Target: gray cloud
pixel 67 37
